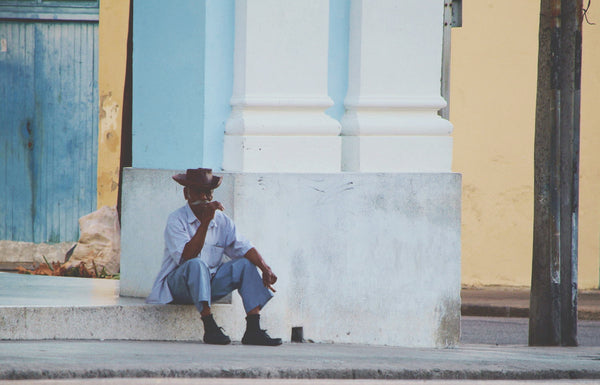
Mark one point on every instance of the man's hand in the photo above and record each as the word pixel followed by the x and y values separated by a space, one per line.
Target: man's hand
pixel 206 211
pixel 269 278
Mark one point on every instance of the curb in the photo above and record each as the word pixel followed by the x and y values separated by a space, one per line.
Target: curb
pixel 347 374
pixel 494 311
pixel 517 312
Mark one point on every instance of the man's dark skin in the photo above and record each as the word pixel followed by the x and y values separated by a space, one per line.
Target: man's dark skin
pixel 202 205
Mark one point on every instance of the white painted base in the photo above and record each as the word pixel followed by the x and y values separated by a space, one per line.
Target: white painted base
pixel 281 116
pixel 397 153
pixel 395 116
pixel 361 258
pixel 282 153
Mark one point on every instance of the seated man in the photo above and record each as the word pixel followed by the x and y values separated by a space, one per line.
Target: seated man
pixel 196 237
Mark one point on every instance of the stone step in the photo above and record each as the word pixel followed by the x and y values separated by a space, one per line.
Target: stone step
pixel 40 307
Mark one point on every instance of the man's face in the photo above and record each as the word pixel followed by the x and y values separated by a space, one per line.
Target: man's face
pixel 197 196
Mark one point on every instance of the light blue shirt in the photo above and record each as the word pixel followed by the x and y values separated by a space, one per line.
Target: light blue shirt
pixel 221 239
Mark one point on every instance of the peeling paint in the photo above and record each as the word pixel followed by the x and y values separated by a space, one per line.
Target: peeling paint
pixel 109 116
pixel 109 150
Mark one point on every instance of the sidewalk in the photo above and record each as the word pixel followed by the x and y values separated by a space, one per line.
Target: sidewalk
pixel 498 301
pixel 128 359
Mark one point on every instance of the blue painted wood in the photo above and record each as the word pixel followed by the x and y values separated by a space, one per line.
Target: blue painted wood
pixel 50 9
pixel 16 130
pixel 48 128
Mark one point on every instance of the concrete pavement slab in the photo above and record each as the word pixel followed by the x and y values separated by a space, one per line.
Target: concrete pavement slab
pixel 39 290
pixel 130 359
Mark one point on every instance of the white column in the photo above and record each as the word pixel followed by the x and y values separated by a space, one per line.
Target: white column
pixel 391 122
pixel 278 121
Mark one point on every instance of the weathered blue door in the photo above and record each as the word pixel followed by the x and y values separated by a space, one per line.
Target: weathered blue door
pixel 48 118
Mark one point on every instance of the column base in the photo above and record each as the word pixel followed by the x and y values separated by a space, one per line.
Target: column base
pixel 397 153
pixel 262 153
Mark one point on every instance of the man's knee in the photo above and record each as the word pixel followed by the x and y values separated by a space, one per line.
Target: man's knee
pixel 248 270
pixel 242 268
pixel 245 262
pixel 196 266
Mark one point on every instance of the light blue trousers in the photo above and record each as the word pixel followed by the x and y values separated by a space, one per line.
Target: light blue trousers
pixel 191 283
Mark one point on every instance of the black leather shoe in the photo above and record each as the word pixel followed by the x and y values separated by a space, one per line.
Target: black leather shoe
pixel 216 337
pixel 260 337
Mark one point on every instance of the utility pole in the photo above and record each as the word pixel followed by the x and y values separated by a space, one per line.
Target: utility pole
pixel 553 300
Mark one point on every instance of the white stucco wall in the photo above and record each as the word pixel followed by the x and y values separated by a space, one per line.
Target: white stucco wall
pixel 361 257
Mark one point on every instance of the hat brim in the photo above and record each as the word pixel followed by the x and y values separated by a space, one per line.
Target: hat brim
pixel 182 180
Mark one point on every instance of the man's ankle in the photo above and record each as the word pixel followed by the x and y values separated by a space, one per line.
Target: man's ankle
pixel 209 322
pixel 206 311
pixel 253 322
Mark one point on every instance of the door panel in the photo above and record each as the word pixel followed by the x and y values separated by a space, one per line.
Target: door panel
pixel 48 128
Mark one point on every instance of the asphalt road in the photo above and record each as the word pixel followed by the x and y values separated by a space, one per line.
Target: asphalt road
pixel 514 331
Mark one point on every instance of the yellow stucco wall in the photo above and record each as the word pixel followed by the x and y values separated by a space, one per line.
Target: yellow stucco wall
pixel 113 28
pixel 492 107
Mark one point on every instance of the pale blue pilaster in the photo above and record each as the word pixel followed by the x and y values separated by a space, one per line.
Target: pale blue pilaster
pixel 220 19
pixel 339 25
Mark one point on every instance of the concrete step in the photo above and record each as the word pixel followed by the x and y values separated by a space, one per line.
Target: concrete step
pixel 41 307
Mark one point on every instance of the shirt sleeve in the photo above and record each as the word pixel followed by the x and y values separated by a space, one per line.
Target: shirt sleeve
pixel 176 237
pixel 236 246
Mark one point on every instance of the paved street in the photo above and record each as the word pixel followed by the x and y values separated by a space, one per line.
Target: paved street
pixel 514 331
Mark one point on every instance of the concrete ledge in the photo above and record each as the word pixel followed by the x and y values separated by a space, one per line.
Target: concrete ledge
pixel 28 254
pixel 110 322
pixel 34 307
pixel 385 243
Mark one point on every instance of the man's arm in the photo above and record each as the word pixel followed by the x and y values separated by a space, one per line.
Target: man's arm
pixel 194 246
pixel 269 278
pixel 205 213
